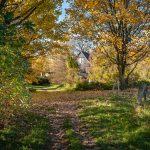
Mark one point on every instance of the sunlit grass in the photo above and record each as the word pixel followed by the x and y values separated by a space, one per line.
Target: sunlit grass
pixel 38 87
pixel 115 123
pixel 52 88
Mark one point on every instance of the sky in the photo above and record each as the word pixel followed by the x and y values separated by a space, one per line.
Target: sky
pixel 64 6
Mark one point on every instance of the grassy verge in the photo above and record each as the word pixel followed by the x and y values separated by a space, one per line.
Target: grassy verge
pixel 44 87
pixel 116 124
pixel 51 88
pixel 28 132
pixel 74 142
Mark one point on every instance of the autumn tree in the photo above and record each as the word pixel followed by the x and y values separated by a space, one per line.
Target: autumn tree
pixel 119 27
pixel 72 70
pixel 143 70
pixel 101 69
pixel 58 69
pixel 51 66
pixel 49 34
pixel 39 66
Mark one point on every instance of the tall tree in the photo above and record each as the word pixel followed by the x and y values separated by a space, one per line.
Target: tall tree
pixel 119 27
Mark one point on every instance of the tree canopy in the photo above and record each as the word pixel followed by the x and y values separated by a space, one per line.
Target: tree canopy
pixel 33 22
pixel 120 29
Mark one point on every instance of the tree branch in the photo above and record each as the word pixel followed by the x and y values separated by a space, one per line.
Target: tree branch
pixel 132 69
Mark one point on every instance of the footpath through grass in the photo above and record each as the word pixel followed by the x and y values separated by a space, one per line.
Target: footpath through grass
pixel 74 142
pixel 115 123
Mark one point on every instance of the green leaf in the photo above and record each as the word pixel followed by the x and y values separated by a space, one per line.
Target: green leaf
pixel 29 25
pixel 8 16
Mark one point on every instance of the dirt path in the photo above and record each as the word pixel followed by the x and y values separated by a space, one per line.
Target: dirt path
pixel 66 106
pixel 64 110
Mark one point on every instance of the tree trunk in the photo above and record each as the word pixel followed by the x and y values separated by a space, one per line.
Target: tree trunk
pixel 122 82
pixel 122 78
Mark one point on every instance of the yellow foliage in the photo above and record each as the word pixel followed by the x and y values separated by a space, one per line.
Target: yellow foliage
pixel 119 28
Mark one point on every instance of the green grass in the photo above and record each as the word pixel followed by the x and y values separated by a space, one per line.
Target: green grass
pixel 73 140
pixel 116 124
pixel 28 132
pixel 40 87
pixel 51 88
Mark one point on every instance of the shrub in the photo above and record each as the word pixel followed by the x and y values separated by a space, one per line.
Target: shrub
pixel 93 86
pixel 13 91
pixel 106 86
pixel 136 84
pixel 32 90
pixel 41 81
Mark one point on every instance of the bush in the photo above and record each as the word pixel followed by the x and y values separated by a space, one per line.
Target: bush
pixel 41 81
pixel 32 90
pixel 136 84
pixel 13 90
pixel 83 86
pixel 106 86
pixel 93 86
